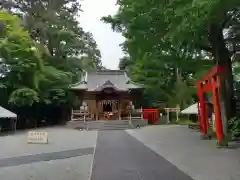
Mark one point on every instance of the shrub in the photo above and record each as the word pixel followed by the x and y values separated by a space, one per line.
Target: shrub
pixel 234 127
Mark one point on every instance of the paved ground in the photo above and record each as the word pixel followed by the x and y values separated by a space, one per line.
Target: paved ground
pixel 119 156
pixel 68 156
pixel 76 168
pixel 16 161
pixel 60 139
pixel 198 158
pixel 151 153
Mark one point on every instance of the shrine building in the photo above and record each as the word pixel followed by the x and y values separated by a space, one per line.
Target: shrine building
pixel 107 94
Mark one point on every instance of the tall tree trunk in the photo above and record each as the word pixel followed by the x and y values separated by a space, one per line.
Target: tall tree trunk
pixel 179 81
pixel 222 58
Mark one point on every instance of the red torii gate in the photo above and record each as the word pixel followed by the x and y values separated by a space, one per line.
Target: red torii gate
pixel 210 83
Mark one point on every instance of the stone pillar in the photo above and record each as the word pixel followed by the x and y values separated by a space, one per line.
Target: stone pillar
pixel 168 120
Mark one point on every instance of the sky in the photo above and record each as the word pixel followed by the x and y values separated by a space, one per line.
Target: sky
pixel 107 40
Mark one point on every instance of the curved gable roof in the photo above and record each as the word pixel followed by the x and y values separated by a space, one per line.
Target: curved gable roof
pixel 100 79
pixel 107 84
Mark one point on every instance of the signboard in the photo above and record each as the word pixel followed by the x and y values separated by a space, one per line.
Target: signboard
pixel 35 137
pixel 105 102
pixel 172 109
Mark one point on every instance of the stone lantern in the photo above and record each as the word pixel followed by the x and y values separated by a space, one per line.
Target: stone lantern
pixel 130 108
pixel 84 108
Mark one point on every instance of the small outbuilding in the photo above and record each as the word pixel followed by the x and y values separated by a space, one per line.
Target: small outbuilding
pixel 193 109
pixel 8 120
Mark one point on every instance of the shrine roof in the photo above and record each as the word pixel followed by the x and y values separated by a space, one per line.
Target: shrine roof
pixel 100 79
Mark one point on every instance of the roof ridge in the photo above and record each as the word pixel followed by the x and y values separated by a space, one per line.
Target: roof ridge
pixel 107 84
pixel 106 71
pixel 78 83
pixel 132 82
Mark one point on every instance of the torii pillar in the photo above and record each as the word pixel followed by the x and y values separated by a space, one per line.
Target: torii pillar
pixel 211 83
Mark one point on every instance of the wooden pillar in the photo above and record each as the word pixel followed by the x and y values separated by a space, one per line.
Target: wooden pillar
pixel 202 110
pixel 96 109
pixel 119 109
pixel 217 110
pixel 168 120
pixel 206 114
pixel 14 124
pixel 199 115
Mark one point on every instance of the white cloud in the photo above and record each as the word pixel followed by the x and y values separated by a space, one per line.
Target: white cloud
pixel 107 40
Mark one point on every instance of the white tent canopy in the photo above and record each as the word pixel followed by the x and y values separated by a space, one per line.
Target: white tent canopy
pixel 193 109
pixel 4 113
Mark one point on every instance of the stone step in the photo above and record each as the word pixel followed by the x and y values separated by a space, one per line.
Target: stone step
pixel 106 125
pixel 98 126
pixel 101 122
pixel 103 128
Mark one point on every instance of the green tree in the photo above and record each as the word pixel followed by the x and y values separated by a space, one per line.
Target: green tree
pixel 22 63
pixel 57 45
pixel 187 31
pixel 202 24
pixel 53 25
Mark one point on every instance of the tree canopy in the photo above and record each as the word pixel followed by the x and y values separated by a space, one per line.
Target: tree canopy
pixel 43 50
pixel 163 37
pixel 182 39
pixel 168 46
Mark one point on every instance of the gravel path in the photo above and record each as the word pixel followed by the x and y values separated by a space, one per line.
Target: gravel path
pixel 150 153
pixel 16 161
pixel 60 139
pixel 76 168
pixel 68 156
pixel 198 158
pixel 119 156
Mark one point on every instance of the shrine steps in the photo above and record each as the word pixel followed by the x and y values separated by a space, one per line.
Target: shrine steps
pixel 106 125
